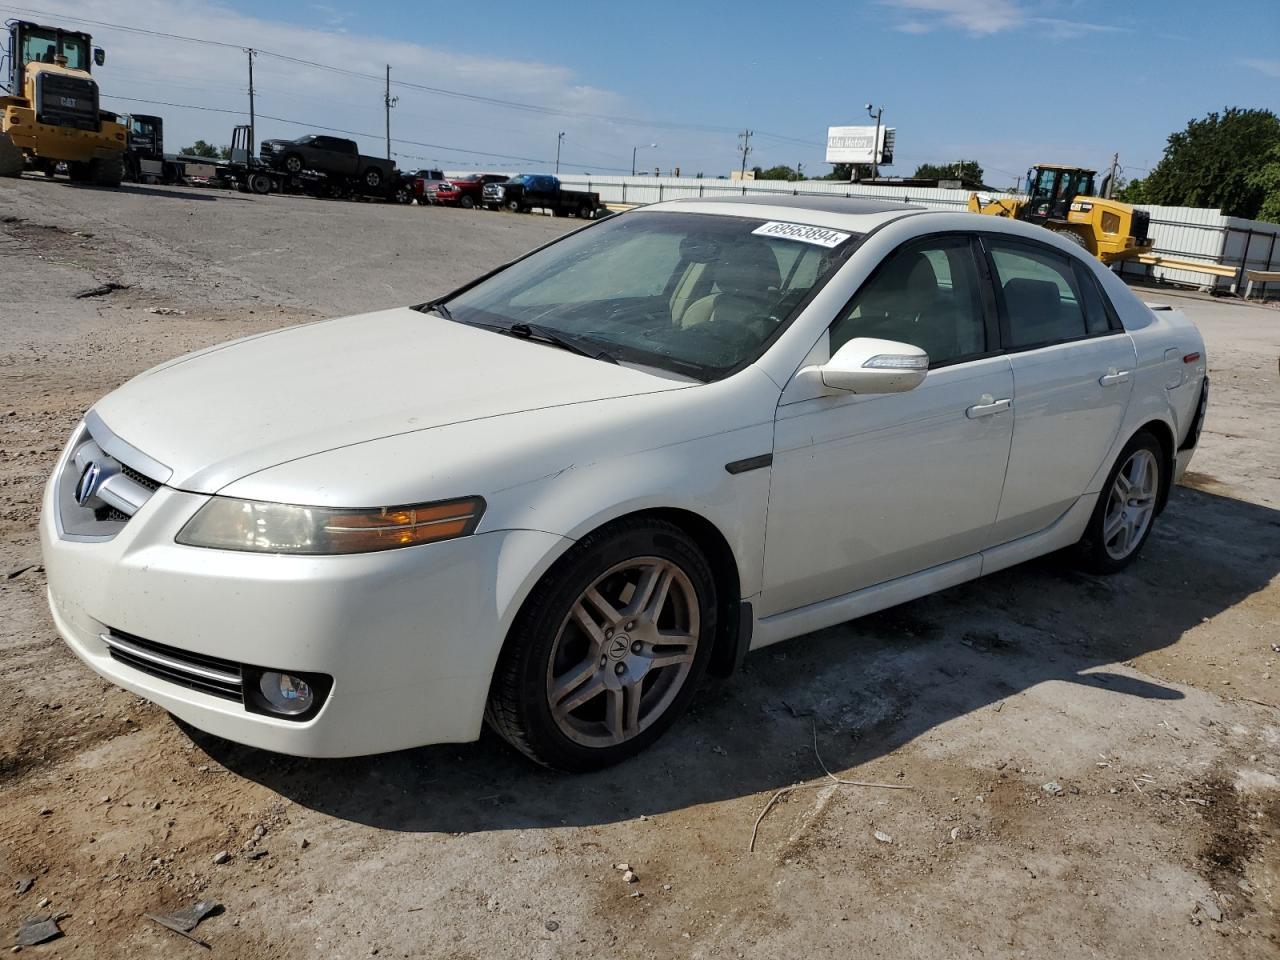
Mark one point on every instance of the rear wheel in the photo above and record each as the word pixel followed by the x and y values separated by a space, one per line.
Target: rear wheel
pixel 106 172
pixel 608 649
pixel 1071 236
pixel 259 183
pixel 372 178
pixel 1126 508
pixel 585 212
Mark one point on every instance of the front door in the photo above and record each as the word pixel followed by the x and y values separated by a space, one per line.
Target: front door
pixel 869 488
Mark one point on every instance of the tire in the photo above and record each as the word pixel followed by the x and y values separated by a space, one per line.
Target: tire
pixel 259 183
pixel 514 206
pixel 403 194
pixel 106 172
pixel 466 203
pixel 372 178
pixel 585 212
pixel 11 160
pixel 1072 237
pixel 1126 508
pixel 613 707
pixel 292 164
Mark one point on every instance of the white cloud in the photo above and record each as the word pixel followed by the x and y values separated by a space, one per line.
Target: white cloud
pixel 1270 68
pixel 981 18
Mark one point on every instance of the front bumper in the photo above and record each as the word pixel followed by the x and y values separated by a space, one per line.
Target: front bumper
pixel 409 636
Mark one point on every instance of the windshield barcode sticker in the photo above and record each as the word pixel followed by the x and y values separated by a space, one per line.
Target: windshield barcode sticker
pixel 820 236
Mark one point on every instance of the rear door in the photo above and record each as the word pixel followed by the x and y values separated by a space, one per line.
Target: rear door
pixel 1073 370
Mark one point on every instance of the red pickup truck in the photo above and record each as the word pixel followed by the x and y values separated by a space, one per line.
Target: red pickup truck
pixel 472 186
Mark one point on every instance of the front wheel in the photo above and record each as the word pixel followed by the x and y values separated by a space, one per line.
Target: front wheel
pixel 466 203
pixel 293 164
pixel 1126 508
pixel 608 649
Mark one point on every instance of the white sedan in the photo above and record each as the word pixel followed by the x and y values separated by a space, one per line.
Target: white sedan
pixel 557 498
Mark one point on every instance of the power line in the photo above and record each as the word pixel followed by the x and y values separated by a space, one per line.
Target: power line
pixel 440 91
pixel 354 133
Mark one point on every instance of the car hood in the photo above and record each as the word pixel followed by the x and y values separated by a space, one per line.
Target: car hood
pixel 218 415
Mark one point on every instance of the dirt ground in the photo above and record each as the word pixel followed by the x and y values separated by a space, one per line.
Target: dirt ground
pixel 1149 699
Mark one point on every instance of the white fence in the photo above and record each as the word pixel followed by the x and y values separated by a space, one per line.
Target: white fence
pixel 1184 233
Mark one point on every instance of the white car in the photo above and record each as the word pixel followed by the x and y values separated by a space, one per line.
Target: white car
pixel 556 498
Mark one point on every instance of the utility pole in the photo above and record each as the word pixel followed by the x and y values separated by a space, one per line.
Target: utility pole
pixel 875 144
pixel 389 101
pixel 744 148
pixel 253 142
pixel 1111 176
pixel 559 140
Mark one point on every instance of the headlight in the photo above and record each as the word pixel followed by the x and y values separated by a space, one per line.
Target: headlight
pixel 226 523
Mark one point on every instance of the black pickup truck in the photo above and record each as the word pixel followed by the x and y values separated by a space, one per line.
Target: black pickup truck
pixel 529 191
pixel 332 156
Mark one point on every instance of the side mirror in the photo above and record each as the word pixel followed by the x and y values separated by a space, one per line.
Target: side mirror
pixel 99 56
pixel 868 365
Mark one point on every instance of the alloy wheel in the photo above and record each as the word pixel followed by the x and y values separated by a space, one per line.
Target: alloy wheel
pixel 624 652
pixel 1131 504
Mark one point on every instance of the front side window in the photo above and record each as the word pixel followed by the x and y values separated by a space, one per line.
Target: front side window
pixel 695 294
pixel 1042 302
pixel 44 46
pixel 927 294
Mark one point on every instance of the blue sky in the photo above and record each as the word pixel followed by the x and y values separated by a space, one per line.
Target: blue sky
pixel 1005 82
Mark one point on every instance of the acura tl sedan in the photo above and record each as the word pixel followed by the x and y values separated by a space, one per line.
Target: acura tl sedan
pixel 557 498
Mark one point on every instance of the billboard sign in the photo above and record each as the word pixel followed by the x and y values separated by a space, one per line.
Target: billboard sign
pixel 854 145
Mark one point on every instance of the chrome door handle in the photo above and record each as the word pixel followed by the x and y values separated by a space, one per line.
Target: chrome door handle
pixel 987 407
pixel 1114 376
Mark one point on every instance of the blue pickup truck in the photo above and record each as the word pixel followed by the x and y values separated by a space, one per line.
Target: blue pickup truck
pixel 531 191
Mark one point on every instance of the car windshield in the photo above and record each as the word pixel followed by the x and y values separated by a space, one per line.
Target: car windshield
pixel 694 294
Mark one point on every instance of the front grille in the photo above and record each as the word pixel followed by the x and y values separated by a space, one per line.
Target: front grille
pixel 195 671
pixel 67 101
pixel 115 490
pixel 141 478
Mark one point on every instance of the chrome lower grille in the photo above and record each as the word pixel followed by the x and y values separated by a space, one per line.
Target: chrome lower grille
pixel 196 671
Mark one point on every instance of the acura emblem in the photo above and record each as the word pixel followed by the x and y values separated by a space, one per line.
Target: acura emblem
pixel 87 485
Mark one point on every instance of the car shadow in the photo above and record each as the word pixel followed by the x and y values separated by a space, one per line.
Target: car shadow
pixel 861 689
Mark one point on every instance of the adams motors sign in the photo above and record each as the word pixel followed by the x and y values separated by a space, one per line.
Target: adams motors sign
pixel 854 145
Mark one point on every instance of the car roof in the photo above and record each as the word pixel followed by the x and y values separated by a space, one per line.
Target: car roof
pixel 858 214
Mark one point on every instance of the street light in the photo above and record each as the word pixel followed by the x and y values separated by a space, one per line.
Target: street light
pixel 875 144
pixel 633 155
pixel 559 140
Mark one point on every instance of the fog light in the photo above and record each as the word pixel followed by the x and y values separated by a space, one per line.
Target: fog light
pixel 286 693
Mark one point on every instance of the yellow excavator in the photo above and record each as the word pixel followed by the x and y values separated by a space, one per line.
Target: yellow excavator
pixel 50 112
pixel 1062 199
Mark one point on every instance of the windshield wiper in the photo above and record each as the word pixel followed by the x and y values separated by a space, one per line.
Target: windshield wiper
pixel 583 348
pixel 441 309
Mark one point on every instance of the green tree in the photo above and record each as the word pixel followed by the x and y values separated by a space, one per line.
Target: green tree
pixel 1217 162
pixel 1267 179
pixel 964 170
pixel 840 171
pixel 202 149
pixel 1135 191
pixel 780 172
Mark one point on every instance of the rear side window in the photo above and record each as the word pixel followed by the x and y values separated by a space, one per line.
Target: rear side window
pixel 1041 297
pixel 1099 318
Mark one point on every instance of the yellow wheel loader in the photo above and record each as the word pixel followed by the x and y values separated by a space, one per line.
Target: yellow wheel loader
pixel 50 112
pixel 1062 199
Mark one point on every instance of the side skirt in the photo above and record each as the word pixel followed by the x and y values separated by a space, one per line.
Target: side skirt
pixel 1063 532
